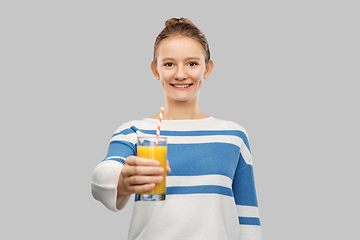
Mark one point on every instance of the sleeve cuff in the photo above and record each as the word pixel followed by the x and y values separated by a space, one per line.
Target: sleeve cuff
pixel 104 185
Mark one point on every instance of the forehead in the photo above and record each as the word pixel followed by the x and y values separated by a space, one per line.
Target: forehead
pixel 180 47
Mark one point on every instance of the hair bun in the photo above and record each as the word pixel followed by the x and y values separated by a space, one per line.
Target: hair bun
pixel 173 21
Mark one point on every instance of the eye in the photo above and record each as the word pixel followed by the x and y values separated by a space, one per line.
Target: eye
pixel 168 64
pixel 192 64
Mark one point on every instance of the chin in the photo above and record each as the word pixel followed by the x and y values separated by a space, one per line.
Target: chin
pixel 182 97
pixel 185 99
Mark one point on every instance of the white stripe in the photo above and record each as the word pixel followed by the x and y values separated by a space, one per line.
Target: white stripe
pixel 180 181
pixel 247 211
pixel 250 232
pixel 122 137
pixel 190 125
pixel 210 124
pixel 115 157
pixel 205 139
pixel 201 209
pixel 246 154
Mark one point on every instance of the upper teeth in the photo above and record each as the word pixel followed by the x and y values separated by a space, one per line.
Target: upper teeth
pixel 181 86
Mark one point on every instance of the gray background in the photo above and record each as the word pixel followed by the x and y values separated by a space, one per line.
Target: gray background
pixel 73 71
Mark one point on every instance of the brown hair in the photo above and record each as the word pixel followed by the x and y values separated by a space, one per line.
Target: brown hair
pixel 182 27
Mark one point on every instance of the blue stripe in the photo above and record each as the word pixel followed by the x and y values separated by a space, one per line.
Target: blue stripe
pixel 249 221
pixel 120 149
pixel 203 189
pixel 244 187
pixel 126 131
pixel 203 159
pixel 236 133
pixel 208 189
pixel 197 132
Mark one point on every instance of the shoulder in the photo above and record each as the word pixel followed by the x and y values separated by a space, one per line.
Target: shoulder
pixel 228 125
pixel 134 125
pixel 236 130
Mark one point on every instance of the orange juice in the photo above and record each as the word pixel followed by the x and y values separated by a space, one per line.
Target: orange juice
pixel 158 153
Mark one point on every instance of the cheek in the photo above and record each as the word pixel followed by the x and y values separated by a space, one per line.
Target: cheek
pixel 199 76
pixel 165 76
pixel 165 79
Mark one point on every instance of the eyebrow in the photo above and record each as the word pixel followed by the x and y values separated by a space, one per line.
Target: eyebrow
pixel 186 59
pixel 192 58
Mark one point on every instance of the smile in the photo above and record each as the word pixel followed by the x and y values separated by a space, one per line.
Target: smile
pixel 181 85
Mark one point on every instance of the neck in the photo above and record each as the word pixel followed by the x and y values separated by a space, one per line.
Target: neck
pixel 187 110
pixel 182 113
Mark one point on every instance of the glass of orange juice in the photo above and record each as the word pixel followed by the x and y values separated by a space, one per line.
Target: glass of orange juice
pixel 147 148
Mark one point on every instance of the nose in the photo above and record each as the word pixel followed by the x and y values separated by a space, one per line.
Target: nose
pixel 180 74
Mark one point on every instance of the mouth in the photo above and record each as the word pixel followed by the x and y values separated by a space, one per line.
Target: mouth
pixel 181 85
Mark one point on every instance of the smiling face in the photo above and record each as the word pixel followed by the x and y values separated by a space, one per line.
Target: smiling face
pixel 181 68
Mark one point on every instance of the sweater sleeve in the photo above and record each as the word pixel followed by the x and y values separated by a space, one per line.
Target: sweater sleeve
pixel 245 196
pixel 104 185
pixel 106 174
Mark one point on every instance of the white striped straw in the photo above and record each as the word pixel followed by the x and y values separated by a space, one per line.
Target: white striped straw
pixel 158 128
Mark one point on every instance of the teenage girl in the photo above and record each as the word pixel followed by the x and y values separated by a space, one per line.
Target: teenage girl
pixel 210 181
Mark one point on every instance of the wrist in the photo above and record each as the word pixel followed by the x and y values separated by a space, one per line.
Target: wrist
pixel 120 188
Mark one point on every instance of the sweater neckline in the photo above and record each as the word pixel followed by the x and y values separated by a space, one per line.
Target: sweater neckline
pixel 182 120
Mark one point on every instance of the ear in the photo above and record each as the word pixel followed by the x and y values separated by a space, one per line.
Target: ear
pixel 154 70
pixel 208 69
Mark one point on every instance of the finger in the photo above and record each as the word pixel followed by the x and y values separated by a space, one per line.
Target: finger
pixel 143 180
pixel 141 188
pixel 137 184
pixel 129 170
pixel 168 169
pixel 139 161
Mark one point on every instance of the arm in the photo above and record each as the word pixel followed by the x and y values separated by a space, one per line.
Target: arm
pixel 113 182
pixel 122 173
pixel 106 174
pixel 245 196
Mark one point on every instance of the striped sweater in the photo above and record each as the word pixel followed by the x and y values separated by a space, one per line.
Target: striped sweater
pixel 210 191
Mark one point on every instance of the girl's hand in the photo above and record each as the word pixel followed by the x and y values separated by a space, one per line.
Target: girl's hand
pixel 140 175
